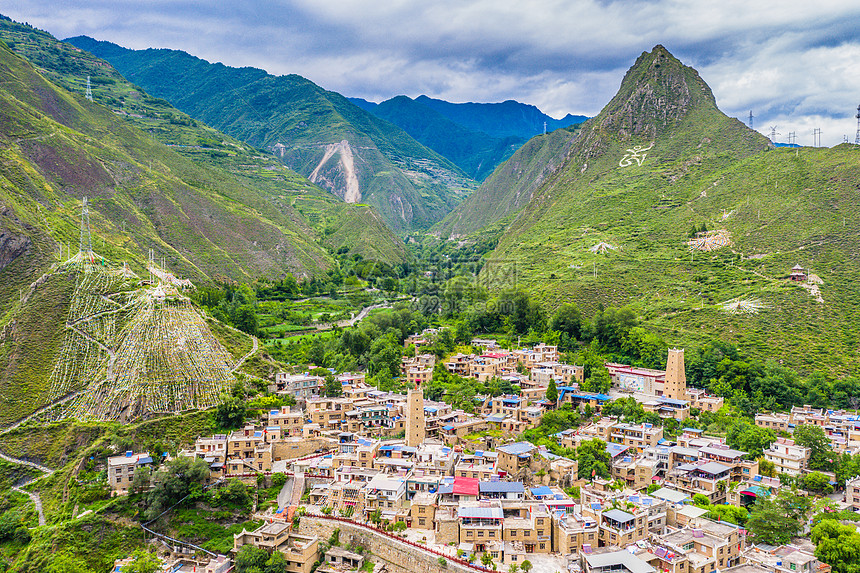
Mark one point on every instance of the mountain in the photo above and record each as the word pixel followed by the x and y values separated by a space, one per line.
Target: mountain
pixel 322 218
pixel 477 137
pixel 476 153
pixel 506 119
pixel 511 185
pixel 318 133
pixel 612 225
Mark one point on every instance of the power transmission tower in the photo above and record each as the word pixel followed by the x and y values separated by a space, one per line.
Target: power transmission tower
pixel 86 244
pixel 773 134
pixel 816 137
pixel 544 128
pixel 751 120
pixel 89 90
pixel 792 137
pixel 857 137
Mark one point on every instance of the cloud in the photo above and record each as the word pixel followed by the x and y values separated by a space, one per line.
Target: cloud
pixel 789 61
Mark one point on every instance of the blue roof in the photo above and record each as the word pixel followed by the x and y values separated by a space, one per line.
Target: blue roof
pixel 541 491
pixel 446 488
pixel 672 401
pixel 517 448
pixel 448 428
pixel 619 516
pixel 481 512
pixel 501 487
pixel 146 460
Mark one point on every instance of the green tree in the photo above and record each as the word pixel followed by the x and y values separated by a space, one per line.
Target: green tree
pixel 749 437
pixel 816 482
pixel 230 412
pixel 526 566
pixel 64 563
pixel 821 456
pixel 837 545
pixel 251 559
pixel 276 563
pixel 140 483
pixel 567 319
pixel 333 387
pixel 174 481
pixel 593 459
pixel 776 520
pixel 552 392
pixel 600 381
pixel 144 562
pixel 245 319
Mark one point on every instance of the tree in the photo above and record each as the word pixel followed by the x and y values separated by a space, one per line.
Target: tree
pixel 245 319
pixel 568 319
pixel 816 482
pixel 776 520
pixel 140 483
pixel 333 387
pixel 593 459
pixel 277 563
pixel 144 562
pixel 821 456
pixel 600 381
pixel 514 568
pixel 174 481
pixel 230 412
pixel 486 559
pixel 251 559
pixel 837 545
pixel 766 468
pixel 552 392
pixel 64 563
pixel 526 566
pixel 749 437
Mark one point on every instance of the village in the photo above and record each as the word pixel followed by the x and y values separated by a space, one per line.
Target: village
pixel 463 490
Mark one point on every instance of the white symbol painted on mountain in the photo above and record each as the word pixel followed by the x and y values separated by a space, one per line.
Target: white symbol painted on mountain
pixel 637 154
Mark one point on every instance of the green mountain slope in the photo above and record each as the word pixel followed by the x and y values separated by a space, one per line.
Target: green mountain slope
pixel 57 147
pixel 511 185
pixel 612 226
pixel 291 194
pixel 318 133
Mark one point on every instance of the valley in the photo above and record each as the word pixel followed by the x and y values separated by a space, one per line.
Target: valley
pixel 250 324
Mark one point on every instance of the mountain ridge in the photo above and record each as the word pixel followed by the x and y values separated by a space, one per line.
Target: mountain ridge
pixel 612 226
pixel 306 126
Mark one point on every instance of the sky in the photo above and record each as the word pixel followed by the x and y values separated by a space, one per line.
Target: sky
pixel 794 64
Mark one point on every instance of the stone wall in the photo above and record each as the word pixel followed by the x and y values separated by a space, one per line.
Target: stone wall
pixel 398 557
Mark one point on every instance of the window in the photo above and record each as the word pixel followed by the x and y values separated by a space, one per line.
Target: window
pixel 480 533
pixel 513 532
pixel 543 545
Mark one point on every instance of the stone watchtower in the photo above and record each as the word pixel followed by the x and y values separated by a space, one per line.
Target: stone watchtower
pixel 415 416
pixel 675 386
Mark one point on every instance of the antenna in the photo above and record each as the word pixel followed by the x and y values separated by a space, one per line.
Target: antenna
pixel 751 120
pixel 857 137
pixel 816 137
pixel 86 244
pixel 773 134
pixel 89 90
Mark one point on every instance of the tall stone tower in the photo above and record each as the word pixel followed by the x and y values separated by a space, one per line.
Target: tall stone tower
pixel 415 416
pixel 676 379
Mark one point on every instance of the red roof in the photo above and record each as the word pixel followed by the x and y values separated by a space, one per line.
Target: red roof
pixel 465 486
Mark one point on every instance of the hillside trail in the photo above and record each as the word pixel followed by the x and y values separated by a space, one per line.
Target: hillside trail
pixel 255 345
pixel 37 501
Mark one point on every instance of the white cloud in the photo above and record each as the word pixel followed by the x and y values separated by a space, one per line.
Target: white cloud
pixel 792 62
